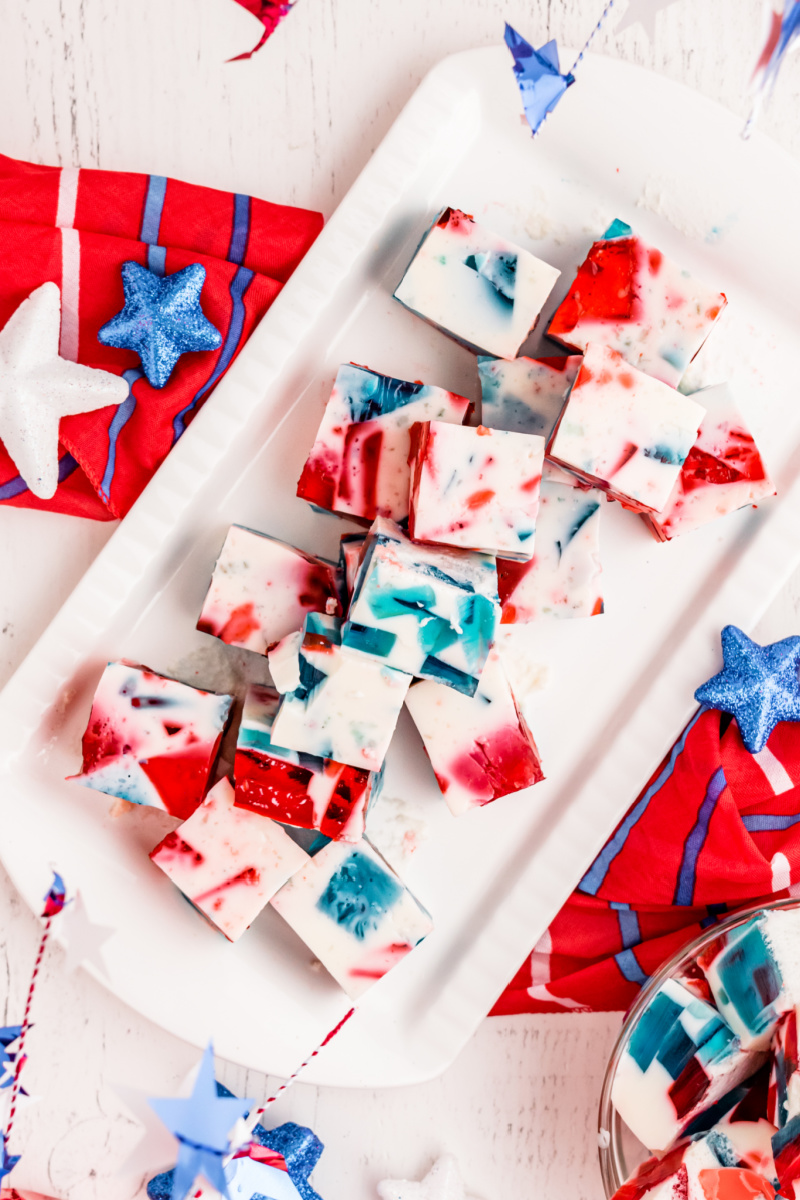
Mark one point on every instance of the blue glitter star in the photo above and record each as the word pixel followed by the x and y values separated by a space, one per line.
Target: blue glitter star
pixel 758 685
pixel 162 319
pixel 202 1125
pixel 8 1161
pixel 539 77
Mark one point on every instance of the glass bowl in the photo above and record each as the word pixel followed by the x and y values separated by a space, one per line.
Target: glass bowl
pixel 620 1151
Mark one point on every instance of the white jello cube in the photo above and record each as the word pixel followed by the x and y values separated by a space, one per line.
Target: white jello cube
pixel 722 473
pixel 525 395
pixel 476 489
pixel 430 611
pixel 479 746
pixel 358 465
pixel 354 913
pixel 625 431
pixel 229 862
pixel 482 290
pixel 564 577
pixel 630 297
pixel 261 589
pixel 346 706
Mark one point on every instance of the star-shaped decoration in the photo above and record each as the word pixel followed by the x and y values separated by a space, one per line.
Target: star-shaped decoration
pixel 38 388
pixel 7 1161
pixel 84 939
pixel 202 1126
pixel 443 1182
pixel 56 899
pixel 643 11
pixel 162 319
pixel 758 685
pixel 539 77
pixel 8 1035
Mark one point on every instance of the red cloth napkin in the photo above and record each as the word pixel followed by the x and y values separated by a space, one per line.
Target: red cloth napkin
pixel 715 829
pixel 76 228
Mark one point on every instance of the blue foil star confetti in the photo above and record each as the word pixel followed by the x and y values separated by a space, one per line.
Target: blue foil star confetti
pixel 8 1035
pixel 162 319
pixel 7 1161
pixel 758 685
pixel 539 77
pixel 202 1126
pixel 299 1147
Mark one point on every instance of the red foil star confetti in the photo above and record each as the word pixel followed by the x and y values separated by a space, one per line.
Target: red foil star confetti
pixel 270 13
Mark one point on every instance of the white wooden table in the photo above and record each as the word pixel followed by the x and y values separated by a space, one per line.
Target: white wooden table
pixel 146 87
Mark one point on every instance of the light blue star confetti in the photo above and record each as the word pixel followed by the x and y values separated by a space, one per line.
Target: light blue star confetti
pixel 202 1125
pixel 539 77
pixel 8 1035
pixel 758 685
pixel 162 319
pixel 7 1161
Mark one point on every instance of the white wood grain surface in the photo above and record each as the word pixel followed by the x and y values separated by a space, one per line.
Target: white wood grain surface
pixel 146 87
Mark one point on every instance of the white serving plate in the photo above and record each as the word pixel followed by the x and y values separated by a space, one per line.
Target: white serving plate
pixel 621 685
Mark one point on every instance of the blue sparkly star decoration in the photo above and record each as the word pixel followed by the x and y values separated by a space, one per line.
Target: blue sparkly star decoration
pixel 7 1161
pixel 299 1146
pixel 202 1125
pixel 758 685
pixel 162 319
pixel 539 77
pixel 8 1035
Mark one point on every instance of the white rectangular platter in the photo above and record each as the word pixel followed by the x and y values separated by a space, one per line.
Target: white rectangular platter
pixel 623 143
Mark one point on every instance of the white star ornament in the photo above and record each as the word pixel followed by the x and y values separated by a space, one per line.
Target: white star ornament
pixel 38 388
pixel 443 1182
pixel 643 11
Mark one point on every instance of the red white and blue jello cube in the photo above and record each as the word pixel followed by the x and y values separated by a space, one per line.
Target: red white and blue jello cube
pixel 358 465
pixel 430 611
pixel 753 971
pixel 261 589
pixel 346 705
pixel 227 861
pixel 722 473
pixel 479 746
pixel 482 290
pixel 564 577
pixel 783 1101
pixel 624 431
pixel 630 297
pixel 525 395
pixel 710 1168
pixel 294 788
pixel 354 913
pixel 152 740
pixel 476 489
pixel 786 1152
pixel 681 1058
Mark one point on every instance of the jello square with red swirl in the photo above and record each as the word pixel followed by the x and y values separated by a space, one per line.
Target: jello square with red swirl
pixel 633 298
pixel 262 588
pixel 152 740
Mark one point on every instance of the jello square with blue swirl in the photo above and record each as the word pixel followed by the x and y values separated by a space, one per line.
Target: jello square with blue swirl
pixel 354 913
pixel 431 611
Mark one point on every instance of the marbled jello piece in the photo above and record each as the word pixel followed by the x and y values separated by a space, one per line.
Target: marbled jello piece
pixel 346 706
pixel 261 589
pixel 227 861
pixel 624 431
pixel 783 1100
pixel 706 1169
pixel 525 395
pixel 354 913
pixel 564 577
pixel 297 789
pixel 479 746
pixel 753 971
pixel 722 473
pixel 483 291
pixel 358 465
pixel 628 296
pixel 350 548
pixel 681 1058
pixel 786 1152
pixel 430 611
pixel 475 489
pixel 152 740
